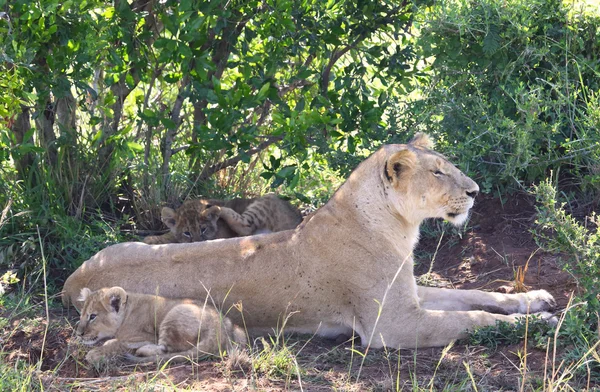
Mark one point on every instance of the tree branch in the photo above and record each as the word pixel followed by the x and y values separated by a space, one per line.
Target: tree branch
pixel 336 54
pixel 209 171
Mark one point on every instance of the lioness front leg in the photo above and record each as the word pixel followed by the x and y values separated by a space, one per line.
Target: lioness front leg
pixel 245 224
pixel 434 298
pixel 426 328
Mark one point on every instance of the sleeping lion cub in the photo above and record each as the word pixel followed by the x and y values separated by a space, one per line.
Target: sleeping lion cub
pixel 152 326
pixel 208 219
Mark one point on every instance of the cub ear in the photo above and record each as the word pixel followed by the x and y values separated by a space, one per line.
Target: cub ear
pixel 169 217
pixel 114 299
pixel 84 294
pixel 213 213
pixel 422 140
pixel 398 163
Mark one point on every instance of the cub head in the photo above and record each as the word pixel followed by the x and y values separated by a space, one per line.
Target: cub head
pixel 194 221
pixel 102 314
pixel 426 184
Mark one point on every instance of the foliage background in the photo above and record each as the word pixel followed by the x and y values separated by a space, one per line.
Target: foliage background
pixel 111 109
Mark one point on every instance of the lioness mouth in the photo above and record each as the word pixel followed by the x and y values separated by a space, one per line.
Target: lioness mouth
pixel 452 214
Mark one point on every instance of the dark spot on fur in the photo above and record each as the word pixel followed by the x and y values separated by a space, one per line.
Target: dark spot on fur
pixel 397 168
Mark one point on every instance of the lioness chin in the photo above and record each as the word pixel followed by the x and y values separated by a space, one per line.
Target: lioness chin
pixel 153 327
pixel 348 267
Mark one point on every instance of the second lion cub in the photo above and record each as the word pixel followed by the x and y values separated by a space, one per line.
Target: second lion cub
pixel 208 219
pixel 153 327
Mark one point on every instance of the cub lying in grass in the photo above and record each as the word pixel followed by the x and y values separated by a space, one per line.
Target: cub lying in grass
pixel 155 327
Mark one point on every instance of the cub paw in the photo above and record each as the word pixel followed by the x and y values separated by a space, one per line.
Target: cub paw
pixel 150 350
pixel 537 301
pixel 94 357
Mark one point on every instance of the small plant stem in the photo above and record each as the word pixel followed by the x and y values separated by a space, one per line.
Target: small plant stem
pixel 524 363
pixel 39 364
pixel 435 253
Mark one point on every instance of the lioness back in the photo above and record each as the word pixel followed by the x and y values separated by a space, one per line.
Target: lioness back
pixel 153 326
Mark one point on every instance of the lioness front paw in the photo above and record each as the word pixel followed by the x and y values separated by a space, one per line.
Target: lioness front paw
pixel 537 301
pixel 550 318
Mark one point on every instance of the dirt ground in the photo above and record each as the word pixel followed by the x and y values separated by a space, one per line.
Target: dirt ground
pixel 486 256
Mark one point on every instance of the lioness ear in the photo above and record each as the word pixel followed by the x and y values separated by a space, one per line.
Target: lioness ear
pixel 168 216
pixel 114 299
pixel 422 140
pixel 213 213
pixel 399 162
pixel 84 294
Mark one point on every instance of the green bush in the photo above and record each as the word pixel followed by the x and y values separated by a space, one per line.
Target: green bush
pixel 513 89
pixel 578 247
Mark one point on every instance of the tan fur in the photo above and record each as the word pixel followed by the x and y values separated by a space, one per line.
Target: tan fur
pixel 152 326
pixel 266 214
pixel 349 266
pixel 198 220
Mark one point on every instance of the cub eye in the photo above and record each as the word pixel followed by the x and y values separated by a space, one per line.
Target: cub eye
pixel 187 234
pixel 203 230
pixel 438 173
pixel 92 317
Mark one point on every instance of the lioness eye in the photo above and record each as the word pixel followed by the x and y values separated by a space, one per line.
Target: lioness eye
pixel 92 317
pixel 438 173
pixel 187 234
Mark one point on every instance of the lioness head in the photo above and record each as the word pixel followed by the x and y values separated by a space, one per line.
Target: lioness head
pixel 102 314
pixel 427 185
pixel 193 221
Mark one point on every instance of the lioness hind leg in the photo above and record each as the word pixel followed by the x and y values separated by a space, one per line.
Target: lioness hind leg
pixel 449 299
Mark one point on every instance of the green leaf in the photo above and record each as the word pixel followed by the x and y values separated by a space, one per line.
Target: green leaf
pixel 287 171
pixel 216 84
pixel 168 123
pixel 262 93
pixel 135 147
pixel 492 40
pixel 185 51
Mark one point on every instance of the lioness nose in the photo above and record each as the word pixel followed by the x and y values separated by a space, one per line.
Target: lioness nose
pixel 472 194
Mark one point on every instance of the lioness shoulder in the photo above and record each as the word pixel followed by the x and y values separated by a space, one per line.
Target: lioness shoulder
pixel 153 327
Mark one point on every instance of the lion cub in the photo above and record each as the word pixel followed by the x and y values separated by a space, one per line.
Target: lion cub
pixel 203 220
pixel 155 327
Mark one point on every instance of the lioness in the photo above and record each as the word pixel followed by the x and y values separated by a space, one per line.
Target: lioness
pixel 198 220
pixel 348 267
pixel 153 326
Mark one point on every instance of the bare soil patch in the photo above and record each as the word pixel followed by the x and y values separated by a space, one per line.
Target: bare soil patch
pixel 496 244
